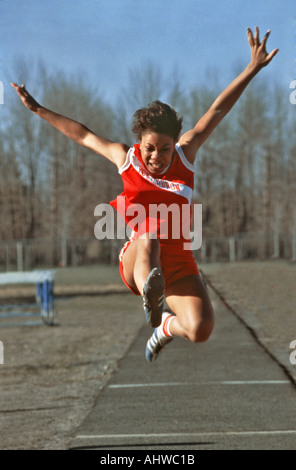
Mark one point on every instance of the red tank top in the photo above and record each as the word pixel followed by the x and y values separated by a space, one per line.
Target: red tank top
pixel 159 204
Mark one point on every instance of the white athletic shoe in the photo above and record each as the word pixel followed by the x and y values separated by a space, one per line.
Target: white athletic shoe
pixel 158 340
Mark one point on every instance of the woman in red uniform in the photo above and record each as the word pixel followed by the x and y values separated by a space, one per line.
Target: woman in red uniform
pixel 159 169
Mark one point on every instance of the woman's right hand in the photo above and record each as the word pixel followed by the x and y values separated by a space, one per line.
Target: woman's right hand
pixel 26 98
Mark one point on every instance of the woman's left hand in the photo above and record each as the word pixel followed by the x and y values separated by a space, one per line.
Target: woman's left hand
pixel 259 57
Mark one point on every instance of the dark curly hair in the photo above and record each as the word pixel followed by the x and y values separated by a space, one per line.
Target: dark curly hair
pixel 158 117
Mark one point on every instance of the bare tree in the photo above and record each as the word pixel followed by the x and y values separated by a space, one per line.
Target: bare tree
pixel 49 185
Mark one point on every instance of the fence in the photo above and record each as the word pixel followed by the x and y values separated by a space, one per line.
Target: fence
pixel 247 246
pixel 24 255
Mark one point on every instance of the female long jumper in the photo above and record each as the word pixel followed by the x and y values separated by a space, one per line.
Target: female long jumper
pixel 159 169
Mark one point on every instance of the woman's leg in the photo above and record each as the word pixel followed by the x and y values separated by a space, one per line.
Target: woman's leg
pixel 140 258
pixel 141 271
pixel 188 299
pixel 193 319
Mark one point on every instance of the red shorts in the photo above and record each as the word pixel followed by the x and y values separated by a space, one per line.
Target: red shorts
pixel 175 264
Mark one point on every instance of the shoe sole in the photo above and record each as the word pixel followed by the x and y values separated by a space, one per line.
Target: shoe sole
pixel 153 297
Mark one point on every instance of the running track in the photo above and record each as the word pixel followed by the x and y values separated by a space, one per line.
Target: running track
pixel 228 393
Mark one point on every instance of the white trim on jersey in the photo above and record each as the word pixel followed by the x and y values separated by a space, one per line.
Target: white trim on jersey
pixel 184 160
pixel 174 187
pixel 127 161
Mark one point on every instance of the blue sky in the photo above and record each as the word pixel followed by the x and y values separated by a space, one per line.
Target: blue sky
pixel 105 39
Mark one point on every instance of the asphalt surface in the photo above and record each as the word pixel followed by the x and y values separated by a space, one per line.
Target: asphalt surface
pixel 228 393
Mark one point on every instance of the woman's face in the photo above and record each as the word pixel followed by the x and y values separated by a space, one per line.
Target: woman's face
pixel 157 151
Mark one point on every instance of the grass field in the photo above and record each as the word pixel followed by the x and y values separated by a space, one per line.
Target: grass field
pixel 102 274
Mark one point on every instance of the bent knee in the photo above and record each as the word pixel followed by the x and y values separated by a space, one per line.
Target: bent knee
pixel 200 331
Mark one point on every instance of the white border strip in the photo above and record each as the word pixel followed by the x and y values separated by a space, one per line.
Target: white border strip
pixel 224 382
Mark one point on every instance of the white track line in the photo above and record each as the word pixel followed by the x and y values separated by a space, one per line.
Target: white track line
pixel 224 382
pixel 192 434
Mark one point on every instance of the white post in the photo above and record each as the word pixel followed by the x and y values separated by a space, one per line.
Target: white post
pixel 276 244
pixel 213 251
pixel 64 252
pixel 204 250
pixel 231 242
pixel 19 250
pixel 1 353
pixel 7 257
pixel 294 245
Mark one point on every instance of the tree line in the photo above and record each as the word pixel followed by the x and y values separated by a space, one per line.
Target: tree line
pixel 49 186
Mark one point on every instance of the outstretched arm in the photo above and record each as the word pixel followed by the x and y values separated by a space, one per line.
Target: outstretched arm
pixel 116 152
pixel 193 139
